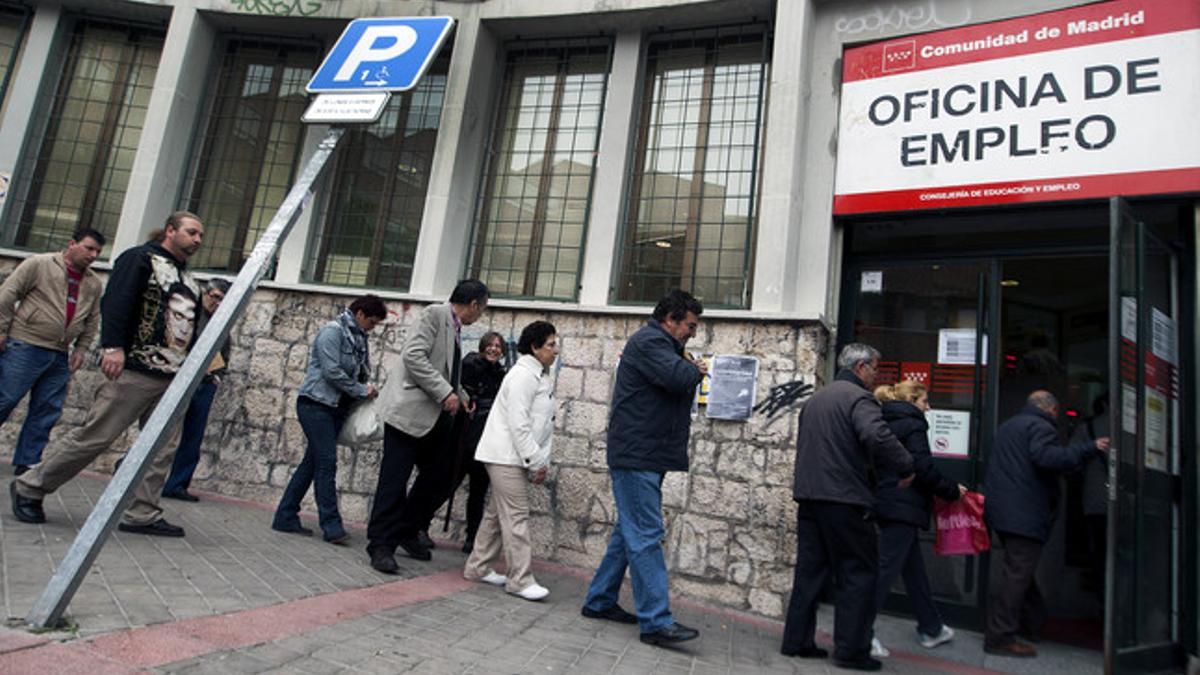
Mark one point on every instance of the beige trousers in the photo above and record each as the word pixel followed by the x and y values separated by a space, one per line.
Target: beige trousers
pixel 119 403
pixel 505 520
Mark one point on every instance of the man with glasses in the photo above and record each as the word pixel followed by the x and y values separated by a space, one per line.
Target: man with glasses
pixel 187 456
pixel 842 435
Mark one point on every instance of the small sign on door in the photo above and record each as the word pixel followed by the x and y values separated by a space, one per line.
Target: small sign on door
pixel 949 432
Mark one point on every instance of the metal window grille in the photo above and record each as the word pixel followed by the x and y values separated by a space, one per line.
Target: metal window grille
pixel 251 145
pixel 79 173
pixel 380 175
pixel 694 189
pixel 13 21
pixel 537 191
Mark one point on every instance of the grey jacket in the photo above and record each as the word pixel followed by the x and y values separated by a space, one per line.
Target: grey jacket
pixel 841 437
pixel 412 397
pixel 335 367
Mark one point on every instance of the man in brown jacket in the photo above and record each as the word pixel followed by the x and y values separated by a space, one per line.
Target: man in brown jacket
pixel 48 305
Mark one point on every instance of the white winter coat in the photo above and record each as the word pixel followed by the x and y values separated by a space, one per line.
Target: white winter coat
pixel 520 427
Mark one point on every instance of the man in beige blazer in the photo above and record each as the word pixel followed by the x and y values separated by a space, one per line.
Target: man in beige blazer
pixel 418 405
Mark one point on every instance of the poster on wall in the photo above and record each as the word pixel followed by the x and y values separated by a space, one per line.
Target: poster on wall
pixel 1080 103
pixel 956 347
pixel 949 432
pixel 732 386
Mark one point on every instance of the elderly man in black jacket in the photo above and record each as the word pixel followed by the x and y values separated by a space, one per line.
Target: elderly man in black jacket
pixel 842 435
pixel 1022 491
pixel 647 437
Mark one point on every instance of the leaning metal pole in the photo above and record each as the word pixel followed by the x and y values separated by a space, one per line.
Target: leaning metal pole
pixel 171 407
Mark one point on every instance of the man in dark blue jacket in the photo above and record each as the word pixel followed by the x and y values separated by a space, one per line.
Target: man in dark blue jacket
pixel 1022 497
pixel 647 437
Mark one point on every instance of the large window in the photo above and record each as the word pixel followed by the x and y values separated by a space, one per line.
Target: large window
pixel 534 208
pixel 78 174
pixel 12 27
pixel 251 145
pixel 694 188
pixel 380 176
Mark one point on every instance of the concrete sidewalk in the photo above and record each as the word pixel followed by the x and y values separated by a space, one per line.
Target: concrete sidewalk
pixel 236 597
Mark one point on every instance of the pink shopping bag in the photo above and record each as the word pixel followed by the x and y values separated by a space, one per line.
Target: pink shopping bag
pixel 960 526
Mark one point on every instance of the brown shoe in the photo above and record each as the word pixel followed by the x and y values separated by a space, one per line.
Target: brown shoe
pixel 1015 649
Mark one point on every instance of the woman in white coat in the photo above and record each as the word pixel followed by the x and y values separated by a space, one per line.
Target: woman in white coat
pixel 515 450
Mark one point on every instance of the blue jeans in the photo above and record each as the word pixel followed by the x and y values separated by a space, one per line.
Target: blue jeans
pixel 187 456
pixel 636 543
pixel 321 425
pixel 43 374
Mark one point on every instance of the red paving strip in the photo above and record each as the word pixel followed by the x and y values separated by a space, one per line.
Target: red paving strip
pixel 14 640
pixel 152 646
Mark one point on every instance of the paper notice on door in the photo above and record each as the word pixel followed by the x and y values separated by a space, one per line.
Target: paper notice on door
pixel 1129 414
pixel 949 432
pixel 1129 319
pixel 1162 337
pixel 872 282
pixel 1156 430
pixel 956 346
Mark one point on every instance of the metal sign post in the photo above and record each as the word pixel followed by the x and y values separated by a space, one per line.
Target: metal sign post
pixel 171 407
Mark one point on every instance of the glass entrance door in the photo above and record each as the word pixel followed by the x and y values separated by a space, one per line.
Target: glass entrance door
pixel 929 322
pixel 1144 487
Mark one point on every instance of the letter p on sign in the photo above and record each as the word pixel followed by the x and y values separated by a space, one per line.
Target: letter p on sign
pixel 381 54
pixel 366 50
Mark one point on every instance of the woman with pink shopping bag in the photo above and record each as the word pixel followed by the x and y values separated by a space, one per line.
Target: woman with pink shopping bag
pixel 901 511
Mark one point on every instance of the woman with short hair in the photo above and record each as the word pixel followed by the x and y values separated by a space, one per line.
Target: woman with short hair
pixel 515 449
pixel 482 374
pixel 339 365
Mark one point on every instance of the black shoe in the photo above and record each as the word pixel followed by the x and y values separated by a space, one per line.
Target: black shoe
pixel 159 528
pixel 614 613
pixel 861 663
pixel 423 538
pixel 181 495
pixel 670 635
pixel 806 653
pixel 19 469
pixel 414 549
pixel 339 539
pixel 383 561
pixel 25 509
pixel 292 529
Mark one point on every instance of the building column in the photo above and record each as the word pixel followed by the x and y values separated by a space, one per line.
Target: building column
pixel 467 115
pixel 37 59
pixel 602 246
pixel 791 253
pixel 293 251
pixel 160 164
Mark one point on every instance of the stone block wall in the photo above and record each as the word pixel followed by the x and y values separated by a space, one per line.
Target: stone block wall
pixel 730 521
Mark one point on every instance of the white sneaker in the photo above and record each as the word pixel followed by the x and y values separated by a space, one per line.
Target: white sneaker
pixel 878 650
pixel 931 641
pixel 494 578
pixel 534 591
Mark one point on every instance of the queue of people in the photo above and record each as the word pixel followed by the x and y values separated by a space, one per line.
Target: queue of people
pixel 864 478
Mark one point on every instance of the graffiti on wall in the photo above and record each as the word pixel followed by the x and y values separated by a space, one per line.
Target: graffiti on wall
pixel 279 7
pixel 929 15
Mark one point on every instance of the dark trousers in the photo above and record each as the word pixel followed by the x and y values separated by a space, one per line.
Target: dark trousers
pixel 187 455
pixel 399 513
pixel 467 466
pixel 838 539
pixel 321 424
pixel 1018 606
pixel 900 556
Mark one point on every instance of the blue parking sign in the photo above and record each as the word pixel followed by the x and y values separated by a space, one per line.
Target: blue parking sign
pixel 381 54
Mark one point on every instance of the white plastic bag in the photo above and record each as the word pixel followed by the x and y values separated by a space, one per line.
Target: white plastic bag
pixel 362 425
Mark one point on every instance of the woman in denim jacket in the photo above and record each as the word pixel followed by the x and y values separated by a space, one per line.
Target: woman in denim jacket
pixel 338 367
